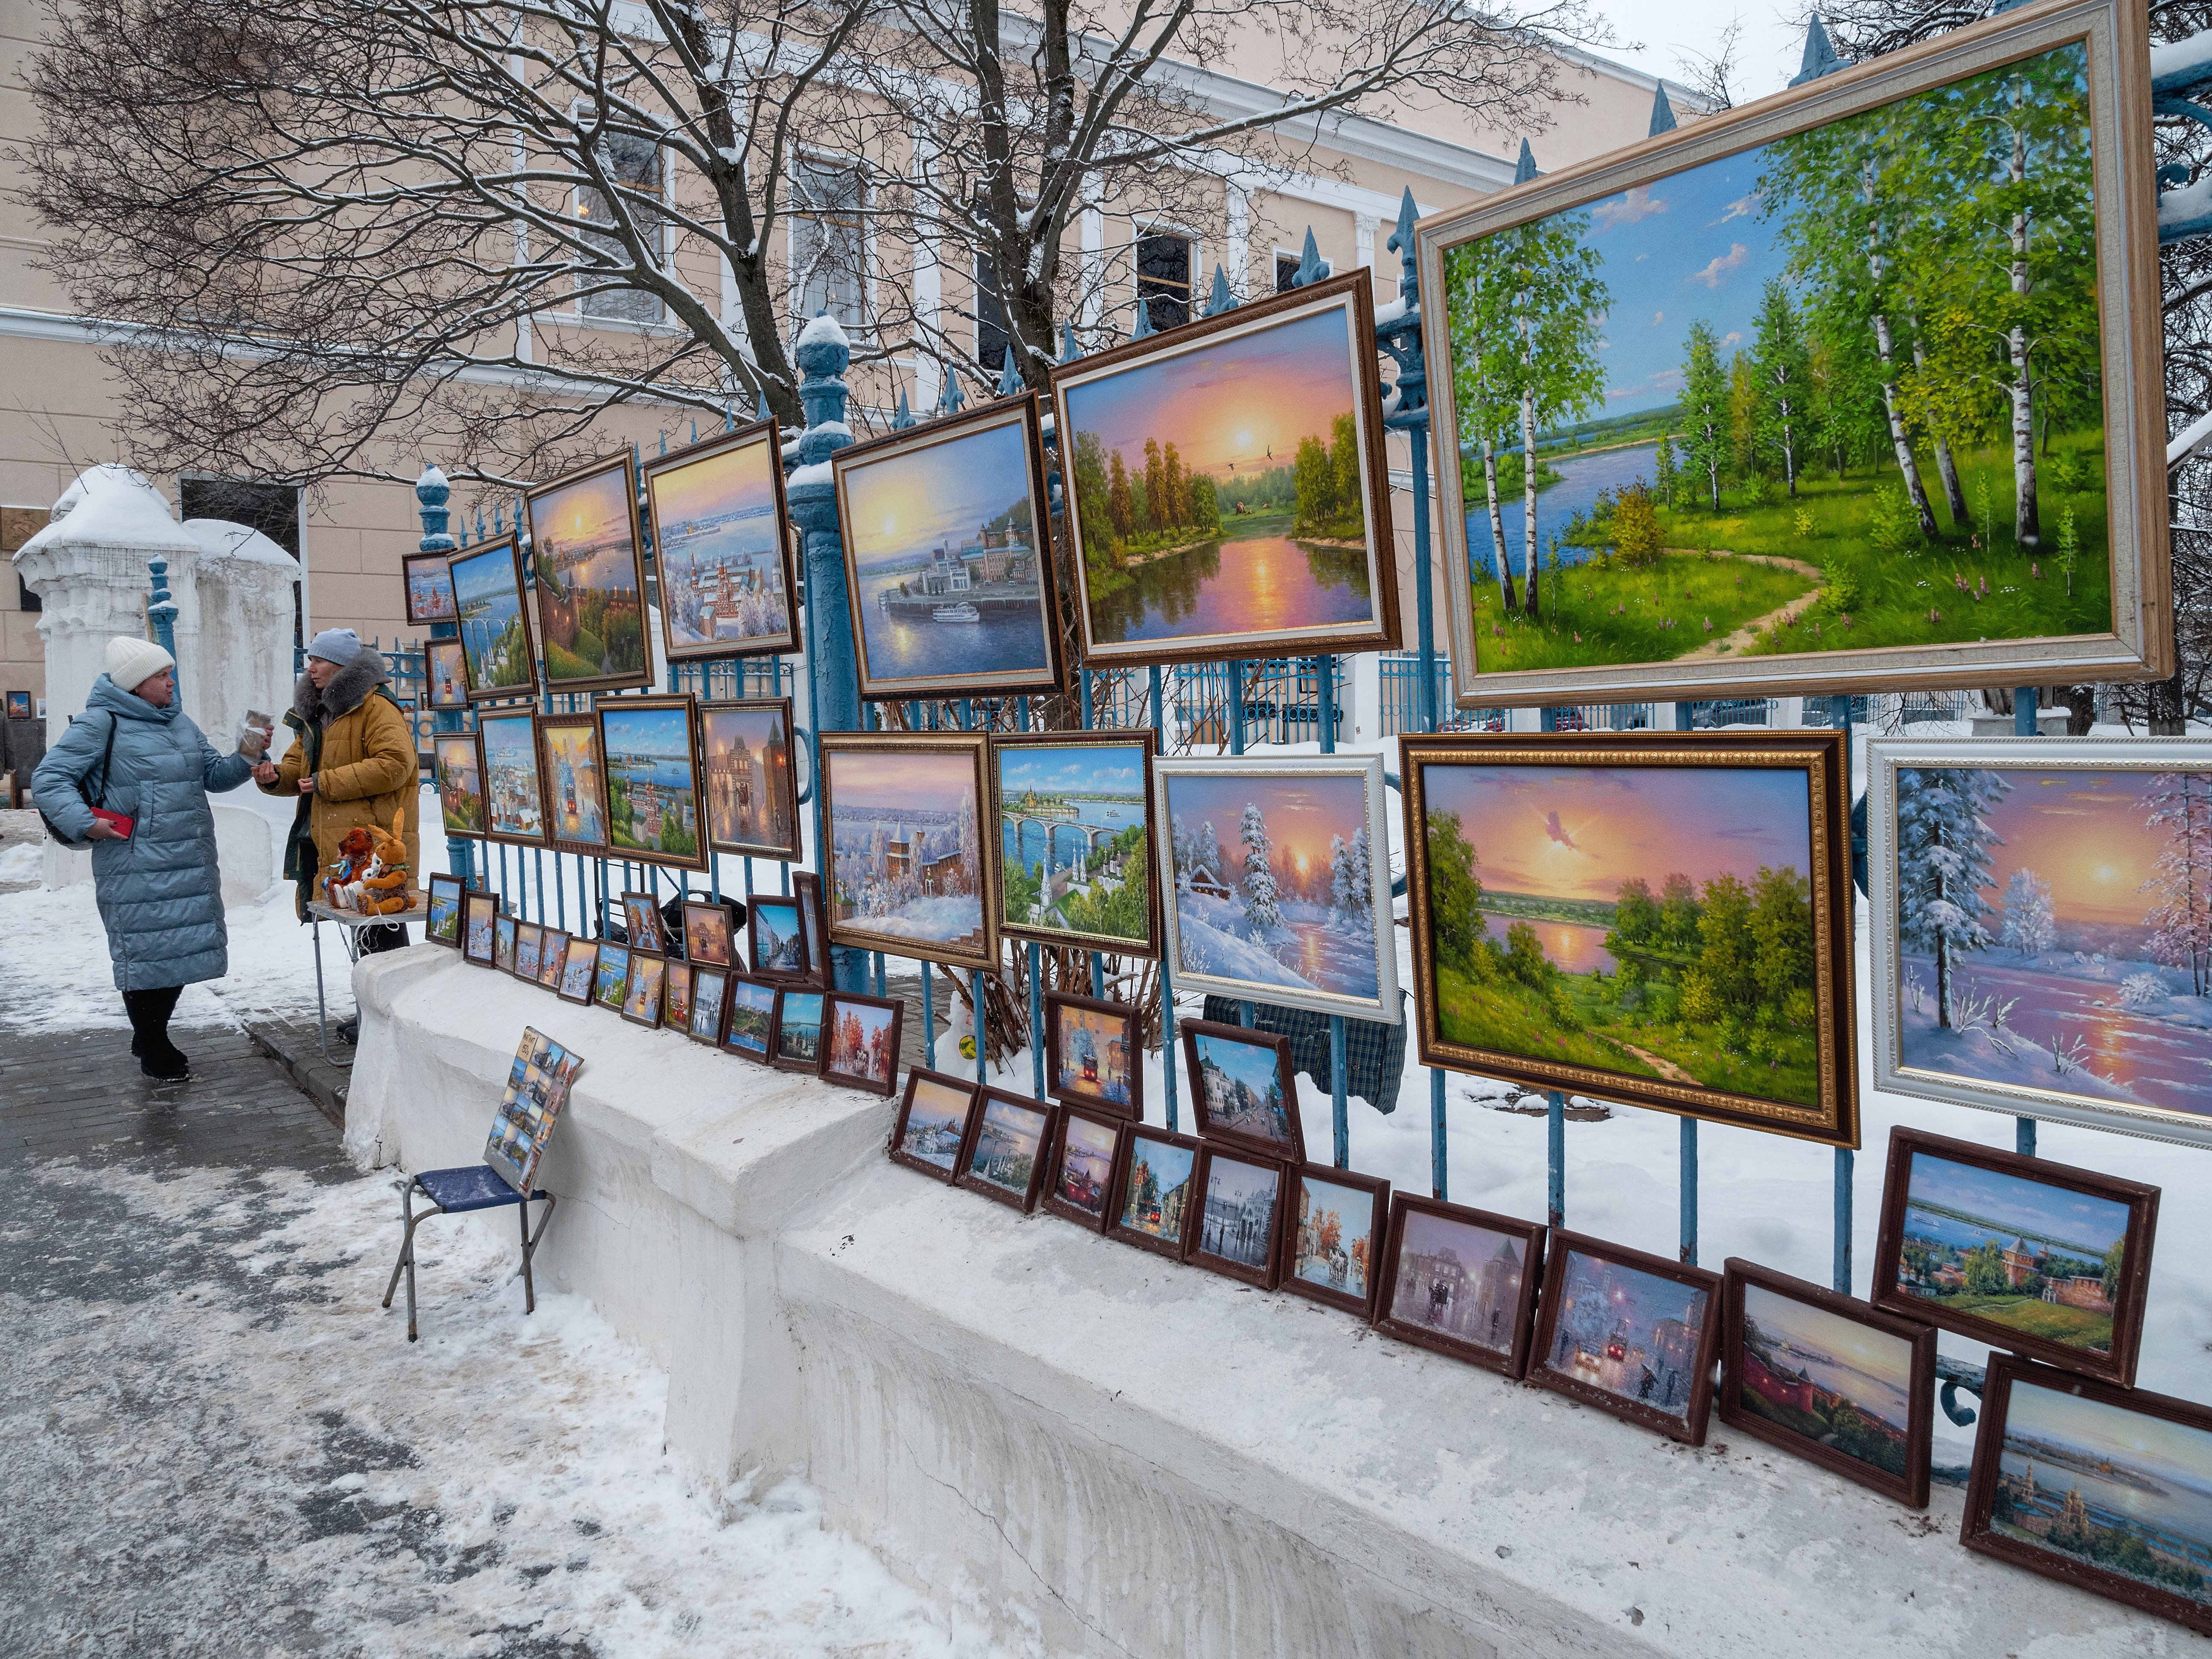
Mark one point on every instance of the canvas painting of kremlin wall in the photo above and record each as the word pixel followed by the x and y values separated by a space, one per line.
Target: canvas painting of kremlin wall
pixel 910 864
pixel 722 548
pixel 590 570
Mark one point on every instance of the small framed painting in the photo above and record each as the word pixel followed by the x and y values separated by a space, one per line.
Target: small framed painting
pixel 1089 1045
pixel 675 994
pixel 430 588
pixel 642 921
pixel 514 801
pixel 444 668
pixel 1629 1333
pixel 1004 1157
pixel 1086 1149
pixel 1828 1378
pixel 806 888
pixel 1460 1281
pixel 585 552
pixel 1239 1230
pixel 710 992
pixel 860 1040
pixel 613 987
pixel 910 868
pixel 553 958
pixel 1074 816
pixel 576 784
pixel 752 778
pixel 796 1044
pixel 1152 1206
pixel 2020 1253
pixel 480 913
pixel 749 1026
pixel 2097 1486
pixel 650 747
pixel 648 980
pixel 709 933
pixel 1333 1234
pixel 932 1126
pixel 1243 1088
pixel 19 705
pixel 721 547
pixel 579 973
pixel 503 932
pixel 457 764
pixel 444 925
pixel 499 655
pixel 776 937
pixel 529 940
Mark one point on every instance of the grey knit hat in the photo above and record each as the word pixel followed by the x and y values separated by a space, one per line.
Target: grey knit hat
pixel 338 644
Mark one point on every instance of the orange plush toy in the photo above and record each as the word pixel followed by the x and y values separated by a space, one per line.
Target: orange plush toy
pixel 378 887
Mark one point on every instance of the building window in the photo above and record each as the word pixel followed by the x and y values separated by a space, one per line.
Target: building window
pixel 17 525
pixel 1286 273
pixel 1163 277
pixel 990 315
pixel 828 246
pixel 272 509
pixel 635 163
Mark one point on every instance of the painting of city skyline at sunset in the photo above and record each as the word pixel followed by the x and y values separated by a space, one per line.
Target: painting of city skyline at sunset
pixel 1626 1337
pixel 647 745
pixel 719 543
pixel 911 864
pixel 510 777
pixel 750 790
pixel 591 578
pixel 1828 1384
pixel 459 775
pixel 576 782
pixel 1222 487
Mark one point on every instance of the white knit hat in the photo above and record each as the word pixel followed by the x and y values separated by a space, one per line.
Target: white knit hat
pixel 131 663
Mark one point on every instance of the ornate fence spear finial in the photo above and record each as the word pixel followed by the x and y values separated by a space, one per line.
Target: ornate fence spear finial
pixel 1312 268
pixel 1069 351
pixel 950 400
pixel 1525 168
pixel 1142 328
pixel 1663 112
pixel 1010 384
pixel 1221 299
pixel 1819 55
pixel 902 418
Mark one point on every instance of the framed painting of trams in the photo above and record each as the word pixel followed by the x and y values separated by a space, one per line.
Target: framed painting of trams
pixel 1086 1149
pixel 1228 492
pixel 1952 466
pixel 721 546
pixel 1333 1235
pixel 1151 1205
pixel 444 666
pixel 1663 920
pixel 507 741
pixel 1276 875
pixel 2052 965
pixel 457 767
pixel 2097 1486
pixel 2020 1253
pixel 1828 1378
pixel 1629 1334
pixel 1074 816
pixel 575 779
pixel 752 779
pixel 499 657
pixel 1089 1048
pixel 587 552
pixel 649 747
pixel 430 588
pixel 948 556
pixel 1460 1281
pixel 910 867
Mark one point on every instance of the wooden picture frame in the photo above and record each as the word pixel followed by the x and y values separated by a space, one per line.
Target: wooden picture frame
pixel 505 928
pixel 573 768
pixel 444 926
pixel 710 999
pixel 641 996
pixel 457 770
pixel 1307 327
pixel 749 1012
pixel 1159 1219
pixel 586 496
pixel 1675 1356
pixel 699 493
pixel 510 801
pixel 1955 1187
pixel 1485 1317
pixel 492 600
pixel 2066 1430
pixel 1780 1395
pixel 429 586
pixel 642 921
pixel 1793 1072
pixel 868 783
pixel 2083 823
pixel 1070 1023
pixel 579 973
pixel 775 939
pixel 795 1044
pixel 879 1022
pixel 1332 1243
pixel 733 787
pixel 676 995
pixel 1112 774
pixel 650 719
pixel 529 940
pixel 1238 1231
pixel 806 886
pixel 936 1116
pixel 991 1158
pixel 994 595
pixel 2115 305
pixel 1086 1156
pixel 1209 1047
pixel 445 673
pixel 611 987
pixel 710 932
pixel 479 920
pixel 553 958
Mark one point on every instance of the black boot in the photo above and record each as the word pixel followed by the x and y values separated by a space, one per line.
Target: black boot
pixel 150 1013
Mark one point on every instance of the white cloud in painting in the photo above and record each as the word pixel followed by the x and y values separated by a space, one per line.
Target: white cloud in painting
pixel 1737 209
pixel 1720 270
pixel 1660 381
pixel 1734 336
pixel 1657 318
pixel 1632 208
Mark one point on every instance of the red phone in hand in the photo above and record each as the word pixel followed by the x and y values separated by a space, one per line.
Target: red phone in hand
pixel 121 822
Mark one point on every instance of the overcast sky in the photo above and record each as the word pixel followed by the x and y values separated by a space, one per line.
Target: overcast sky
pixel 1768 54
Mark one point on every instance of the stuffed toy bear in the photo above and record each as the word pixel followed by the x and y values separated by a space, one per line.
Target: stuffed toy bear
pixel 377 887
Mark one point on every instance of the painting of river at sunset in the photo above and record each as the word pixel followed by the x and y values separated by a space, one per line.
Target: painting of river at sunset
pixel 591 578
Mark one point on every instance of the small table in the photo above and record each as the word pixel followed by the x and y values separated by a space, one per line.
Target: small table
pixel 351 922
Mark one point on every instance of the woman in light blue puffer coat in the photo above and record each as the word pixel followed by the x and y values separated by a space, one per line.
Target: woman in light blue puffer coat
pixel 159 889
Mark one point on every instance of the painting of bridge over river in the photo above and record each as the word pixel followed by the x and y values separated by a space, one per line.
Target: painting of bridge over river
pixel 591 579
pixel 1074 846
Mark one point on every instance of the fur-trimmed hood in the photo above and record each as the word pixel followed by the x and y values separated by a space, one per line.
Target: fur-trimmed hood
pixel 349 688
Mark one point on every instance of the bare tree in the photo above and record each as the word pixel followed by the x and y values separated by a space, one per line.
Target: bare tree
pixel 1712 75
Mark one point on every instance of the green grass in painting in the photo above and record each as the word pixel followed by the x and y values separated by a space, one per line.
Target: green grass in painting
pixel 2030 1315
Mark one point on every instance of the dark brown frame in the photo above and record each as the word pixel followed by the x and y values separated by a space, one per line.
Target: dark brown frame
pixel 652 903
pixel 806 888
pixel 1833 1118
pixel 1024 409
pixel 514 968
pixel 805 970
pixel 514 938
pixel 1354 290
pixel 706 449
pixel 434 647
pixel 630 985
pixel 1118 1198
pixel 604 706
pixel 1910 1490
pixel 964 1173
pixel 831 998
pixel 1977 1530
pixel 460 908
pixel 590 984
pixel 1054 1001
pixel 407 563
pixel 530 717
pixel 1532 1235
pixel 1265 1276
pixel 722 975
pixel 590 722
pixel 483 794
pixel 576 476
pixel 760 850
pixel 548 959
pixel 975 746
pixel 528 688
pixel 2142 1199
pixel 729 915
pixel 1690 1428
pixel 1287 1074
pixel 599 966
pixel 1132 736
pixel 676 965
pixel 729 1007
pixel 897 1154
pixel 776 1057
pixel 469 900
pixel 1378 1234
pixel 1049 1199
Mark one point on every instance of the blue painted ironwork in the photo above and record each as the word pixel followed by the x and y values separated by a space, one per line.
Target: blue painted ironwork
pixel 950 400
pixel 1820 58
pixel 1525 168
pixel 160 609
pixel 432 494
pixel 1663 112
pixel 1840 1273
pixel 1010 383
pixel 1555 1158
pixel 902 418
pixel 1690 1192
pixel 1166 979
pixel 1312 268
pixel 1221 299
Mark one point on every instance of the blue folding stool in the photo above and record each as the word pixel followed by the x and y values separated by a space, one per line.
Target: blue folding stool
pixel 455 1192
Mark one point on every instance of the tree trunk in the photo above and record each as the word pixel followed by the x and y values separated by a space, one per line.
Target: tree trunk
pixel 1955 497
pixel 2169 712
pixel 1788 454
pixel 1529 501
pixel 2028 527
pixel 1899 440
pixel 1497 521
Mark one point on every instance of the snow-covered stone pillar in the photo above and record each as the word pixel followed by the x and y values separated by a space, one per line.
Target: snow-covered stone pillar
pixel 242 639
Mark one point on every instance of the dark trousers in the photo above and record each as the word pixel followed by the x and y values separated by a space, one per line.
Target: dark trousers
pixel 150 1013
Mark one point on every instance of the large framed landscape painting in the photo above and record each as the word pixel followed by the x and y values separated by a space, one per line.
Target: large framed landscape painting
pixel 586 551
pixel 721 549
pixel 752 777
pixel 498 655
pixel 1074 816
pixel 1814 405
pixel 1276 879
pixel 1663 921
pixel 1228 494
pixel 911 867
pixel 649 747
pixel 948 556
pixel 2042 928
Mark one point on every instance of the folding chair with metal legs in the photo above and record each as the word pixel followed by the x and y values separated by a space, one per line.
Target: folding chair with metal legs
pixel 455 1192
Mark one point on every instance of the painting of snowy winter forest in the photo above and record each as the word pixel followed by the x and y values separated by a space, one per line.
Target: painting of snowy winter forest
pixel 911 866
pixel 2050 932
pixel 1849 390
pixel 1279 877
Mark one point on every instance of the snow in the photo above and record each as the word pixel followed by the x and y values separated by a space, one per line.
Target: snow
pixel 934 919
pixel 2176 66
pixel 823 328
pixel 113 505
pixel 820 475
pixel 433 475
pixel 1390 311
pixel 219 538
pixel 20 862
pixel 2004 1058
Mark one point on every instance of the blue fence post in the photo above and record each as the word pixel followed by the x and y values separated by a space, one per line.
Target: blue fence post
pixel 1690 1192
pixel 1555 1158
pixel 161 610
pixel 2025 702
pixel 1841 1272
pixel 432 493
pixel 1340 1114
pixel 1167 980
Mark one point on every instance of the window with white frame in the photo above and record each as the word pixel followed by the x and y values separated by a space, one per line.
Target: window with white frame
pixel 633 162
pixel 1286 272
pixel 829 245
pixel 1163 261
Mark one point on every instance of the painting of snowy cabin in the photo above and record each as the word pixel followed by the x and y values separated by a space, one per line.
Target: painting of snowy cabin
pixel 911 866
pixel 1278 875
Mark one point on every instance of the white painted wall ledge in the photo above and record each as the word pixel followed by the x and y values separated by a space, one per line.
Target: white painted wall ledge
pixel 1099 1452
